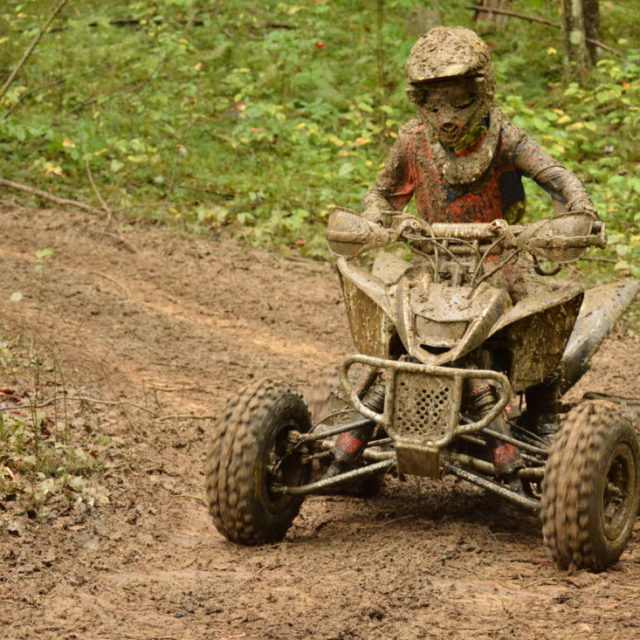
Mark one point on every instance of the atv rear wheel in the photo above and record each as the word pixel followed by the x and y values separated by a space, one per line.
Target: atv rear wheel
pixel 250 455
pixel 591 487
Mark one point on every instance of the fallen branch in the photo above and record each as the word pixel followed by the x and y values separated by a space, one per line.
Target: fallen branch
pixel 30 48
pixel 598 259
pixel 279 25
pixel 64 202
pixel 18 407
pixel 548 23
pixel 137 22
pixel 513 14
pixel 115 403
pixel 156 21
pixel 186 417
pixel 105 206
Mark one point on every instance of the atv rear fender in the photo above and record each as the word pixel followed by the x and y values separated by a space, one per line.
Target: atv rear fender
pixel 601 308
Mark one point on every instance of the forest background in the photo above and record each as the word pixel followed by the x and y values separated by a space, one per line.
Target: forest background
pixel 254 118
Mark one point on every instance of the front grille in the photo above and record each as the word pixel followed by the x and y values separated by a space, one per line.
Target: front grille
pixel 423 406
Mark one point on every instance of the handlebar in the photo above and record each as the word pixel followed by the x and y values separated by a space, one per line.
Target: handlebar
pixel 480 231
pixel 561 239
pixel 550 233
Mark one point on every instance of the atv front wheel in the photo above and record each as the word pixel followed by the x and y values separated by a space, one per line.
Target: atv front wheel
pixel 250 455
pixel 591 487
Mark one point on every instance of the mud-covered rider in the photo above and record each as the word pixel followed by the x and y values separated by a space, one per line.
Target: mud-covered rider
pixel 463 161
pixel 461 157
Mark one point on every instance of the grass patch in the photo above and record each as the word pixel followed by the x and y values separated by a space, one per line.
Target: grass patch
pixel 48 466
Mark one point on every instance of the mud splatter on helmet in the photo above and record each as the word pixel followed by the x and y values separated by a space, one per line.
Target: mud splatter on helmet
pixel 450 52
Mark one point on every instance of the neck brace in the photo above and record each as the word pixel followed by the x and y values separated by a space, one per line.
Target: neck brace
pixel 456 170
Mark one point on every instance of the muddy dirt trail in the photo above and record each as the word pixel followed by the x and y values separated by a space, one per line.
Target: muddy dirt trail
pixel 153 333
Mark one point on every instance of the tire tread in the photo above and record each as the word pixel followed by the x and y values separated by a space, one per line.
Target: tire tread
pixel 574 462
pixel 232 454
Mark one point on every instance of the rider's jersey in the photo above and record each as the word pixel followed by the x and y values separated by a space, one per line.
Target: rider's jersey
pixel 410 170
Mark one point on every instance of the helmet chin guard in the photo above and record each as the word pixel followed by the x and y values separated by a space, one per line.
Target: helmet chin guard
pixel 446 56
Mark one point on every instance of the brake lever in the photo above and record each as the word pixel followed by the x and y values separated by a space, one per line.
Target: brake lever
pixel 537 267
pixel 411 223
pixel 501 226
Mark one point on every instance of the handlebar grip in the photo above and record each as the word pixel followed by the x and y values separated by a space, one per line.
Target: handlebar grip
pixel 469 230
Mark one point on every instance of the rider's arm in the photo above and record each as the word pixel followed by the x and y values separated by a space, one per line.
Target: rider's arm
pixel 396 182
pixel 562 184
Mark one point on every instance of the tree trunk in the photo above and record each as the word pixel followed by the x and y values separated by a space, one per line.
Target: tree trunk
pixel 494 18
pixel 580 20
pixel 592 26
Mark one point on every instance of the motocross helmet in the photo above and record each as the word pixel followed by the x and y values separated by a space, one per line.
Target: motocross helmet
pixel 450 52
pixel 451 83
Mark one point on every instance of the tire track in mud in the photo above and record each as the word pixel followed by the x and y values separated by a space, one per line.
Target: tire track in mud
pixel 168 332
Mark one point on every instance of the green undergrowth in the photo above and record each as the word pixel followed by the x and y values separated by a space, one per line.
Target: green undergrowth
pixel 51 459
pixel 254 118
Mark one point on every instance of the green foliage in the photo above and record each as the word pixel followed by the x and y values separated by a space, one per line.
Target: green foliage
pixel 44 466
pixel 594 133
pixel 256 117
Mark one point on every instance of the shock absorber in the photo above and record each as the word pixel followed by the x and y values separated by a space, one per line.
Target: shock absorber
pixel 505 456
pixel 350 444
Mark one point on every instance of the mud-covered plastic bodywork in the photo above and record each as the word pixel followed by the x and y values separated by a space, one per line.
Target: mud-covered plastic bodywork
pixel 601 308
pixel 396 312
pixel 439 324
pixel 559 329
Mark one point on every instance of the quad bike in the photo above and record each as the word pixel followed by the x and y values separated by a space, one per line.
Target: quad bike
pixel 445 381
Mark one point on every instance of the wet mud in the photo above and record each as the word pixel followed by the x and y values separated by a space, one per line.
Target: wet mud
pixel 162 336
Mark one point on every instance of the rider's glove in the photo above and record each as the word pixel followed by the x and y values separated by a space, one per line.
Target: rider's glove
pixel 374 214
pixel 583 205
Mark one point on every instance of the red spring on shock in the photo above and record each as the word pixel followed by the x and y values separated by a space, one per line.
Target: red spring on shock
pixel 504 456
pixel 349 444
